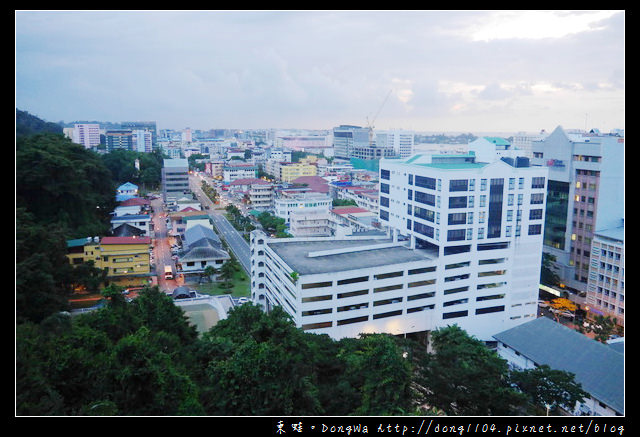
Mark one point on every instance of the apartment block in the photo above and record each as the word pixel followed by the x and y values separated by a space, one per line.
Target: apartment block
pixel 401 141
pixel 346 137
pixel 605 285
pixel 149 126
pixel 585 194
pixel 119 139
pixel 126 259
pixel 291 171
pixel 483 222
pixel 231 172
pixel 175 179
pixel 86 134
pixel 289 202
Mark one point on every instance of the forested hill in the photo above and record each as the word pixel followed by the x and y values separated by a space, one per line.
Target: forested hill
pixel 27 124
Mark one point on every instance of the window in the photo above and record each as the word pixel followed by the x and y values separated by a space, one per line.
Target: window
pixel 384 201
pixel 427 199
pixel 384 188
pixel 459 218
pixel 535 229
pixel 458 185
pixel 535 214
pixel 458 202
pixel 425 182
pixel 424 214
pixel 423 229
pixel 384 174
pixel 537 182
pixel 456 235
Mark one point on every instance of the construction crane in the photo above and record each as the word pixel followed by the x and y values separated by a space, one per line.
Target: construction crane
pixel 370 125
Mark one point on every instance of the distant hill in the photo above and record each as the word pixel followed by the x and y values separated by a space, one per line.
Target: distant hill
pixel 27 124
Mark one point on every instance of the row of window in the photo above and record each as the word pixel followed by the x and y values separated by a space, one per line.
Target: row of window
pixel 467 234
pixel 461 184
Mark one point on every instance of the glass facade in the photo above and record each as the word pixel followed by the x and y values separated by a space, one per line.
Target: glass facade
pixel 555 227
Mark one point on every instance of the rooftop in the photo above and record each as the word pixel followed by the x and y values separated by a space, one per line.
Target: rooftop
pixel 176 163
pixel 326 256
pixel 447 162
pixel 598 367
pixel 125 240
pixel 249 181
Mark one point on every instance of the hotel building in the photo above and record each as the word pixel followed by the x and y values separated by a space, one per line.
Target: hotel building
pixel 585 194
pixel 465 248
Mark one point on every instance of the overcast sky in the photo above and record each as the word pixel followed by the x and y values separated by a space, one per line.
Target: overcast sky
pixel 469 71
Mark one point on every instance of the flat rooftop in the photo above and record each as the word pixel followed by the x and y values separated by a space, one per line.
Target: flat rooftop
pixel 327 256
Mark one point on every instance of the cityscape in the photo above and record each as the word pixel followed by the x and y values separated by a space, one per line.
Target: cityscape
pixel 461 268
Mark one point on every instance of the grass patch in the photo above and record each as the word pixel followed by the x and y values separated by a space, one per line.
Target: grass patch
pixel 240 288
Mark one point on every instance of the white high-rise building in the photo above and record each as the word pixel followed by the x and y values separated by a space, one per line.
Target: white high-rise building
pixel 142 140
pixel 86 134
pixel 402 141
pixel 465 248
pixel 524 141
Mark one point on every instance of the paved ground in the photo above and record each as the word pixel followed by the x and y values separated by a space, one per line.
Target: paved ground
pixel 162 248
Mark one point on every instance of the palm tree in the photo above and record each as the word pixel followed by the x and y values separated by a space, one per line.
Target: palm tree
pixel 208 272
pixel 227 272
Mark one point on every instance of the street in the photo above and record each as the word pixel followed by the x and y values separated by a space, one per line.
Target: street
pixel 162 248
pixel 226 231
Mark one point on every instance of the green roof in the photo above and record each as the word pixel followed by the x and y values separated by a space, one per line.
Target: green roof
pixel 456 165
pixel 497 140
pixel 77 242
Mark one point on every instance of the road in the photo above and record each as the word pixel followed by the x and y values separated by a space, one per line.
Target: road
pixel 226 231
pixel 162 247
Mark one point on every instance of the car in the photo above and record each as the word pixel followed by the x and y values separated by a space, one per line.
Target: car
pixel 243 300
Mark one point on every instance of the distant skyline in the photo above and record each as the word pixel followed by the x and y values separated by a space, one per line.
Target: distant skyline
pixel 443 71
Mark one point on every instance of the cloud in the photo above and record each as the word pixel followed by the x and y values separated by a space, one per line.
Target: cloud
pixel 314 68
pixel 537 24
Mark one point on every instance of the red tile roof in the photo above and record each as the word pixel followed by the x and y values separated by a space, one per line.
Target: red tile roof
pixel 348 210
pixel 249 181
pixel 134 201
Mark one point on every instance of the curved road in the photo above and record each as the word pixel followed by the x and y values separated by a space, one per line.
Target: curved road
pixel 226 231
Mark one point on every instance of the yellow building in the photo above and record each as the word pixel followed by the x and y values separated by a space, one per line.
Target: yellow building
pixel 292 171
pixel 126 259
